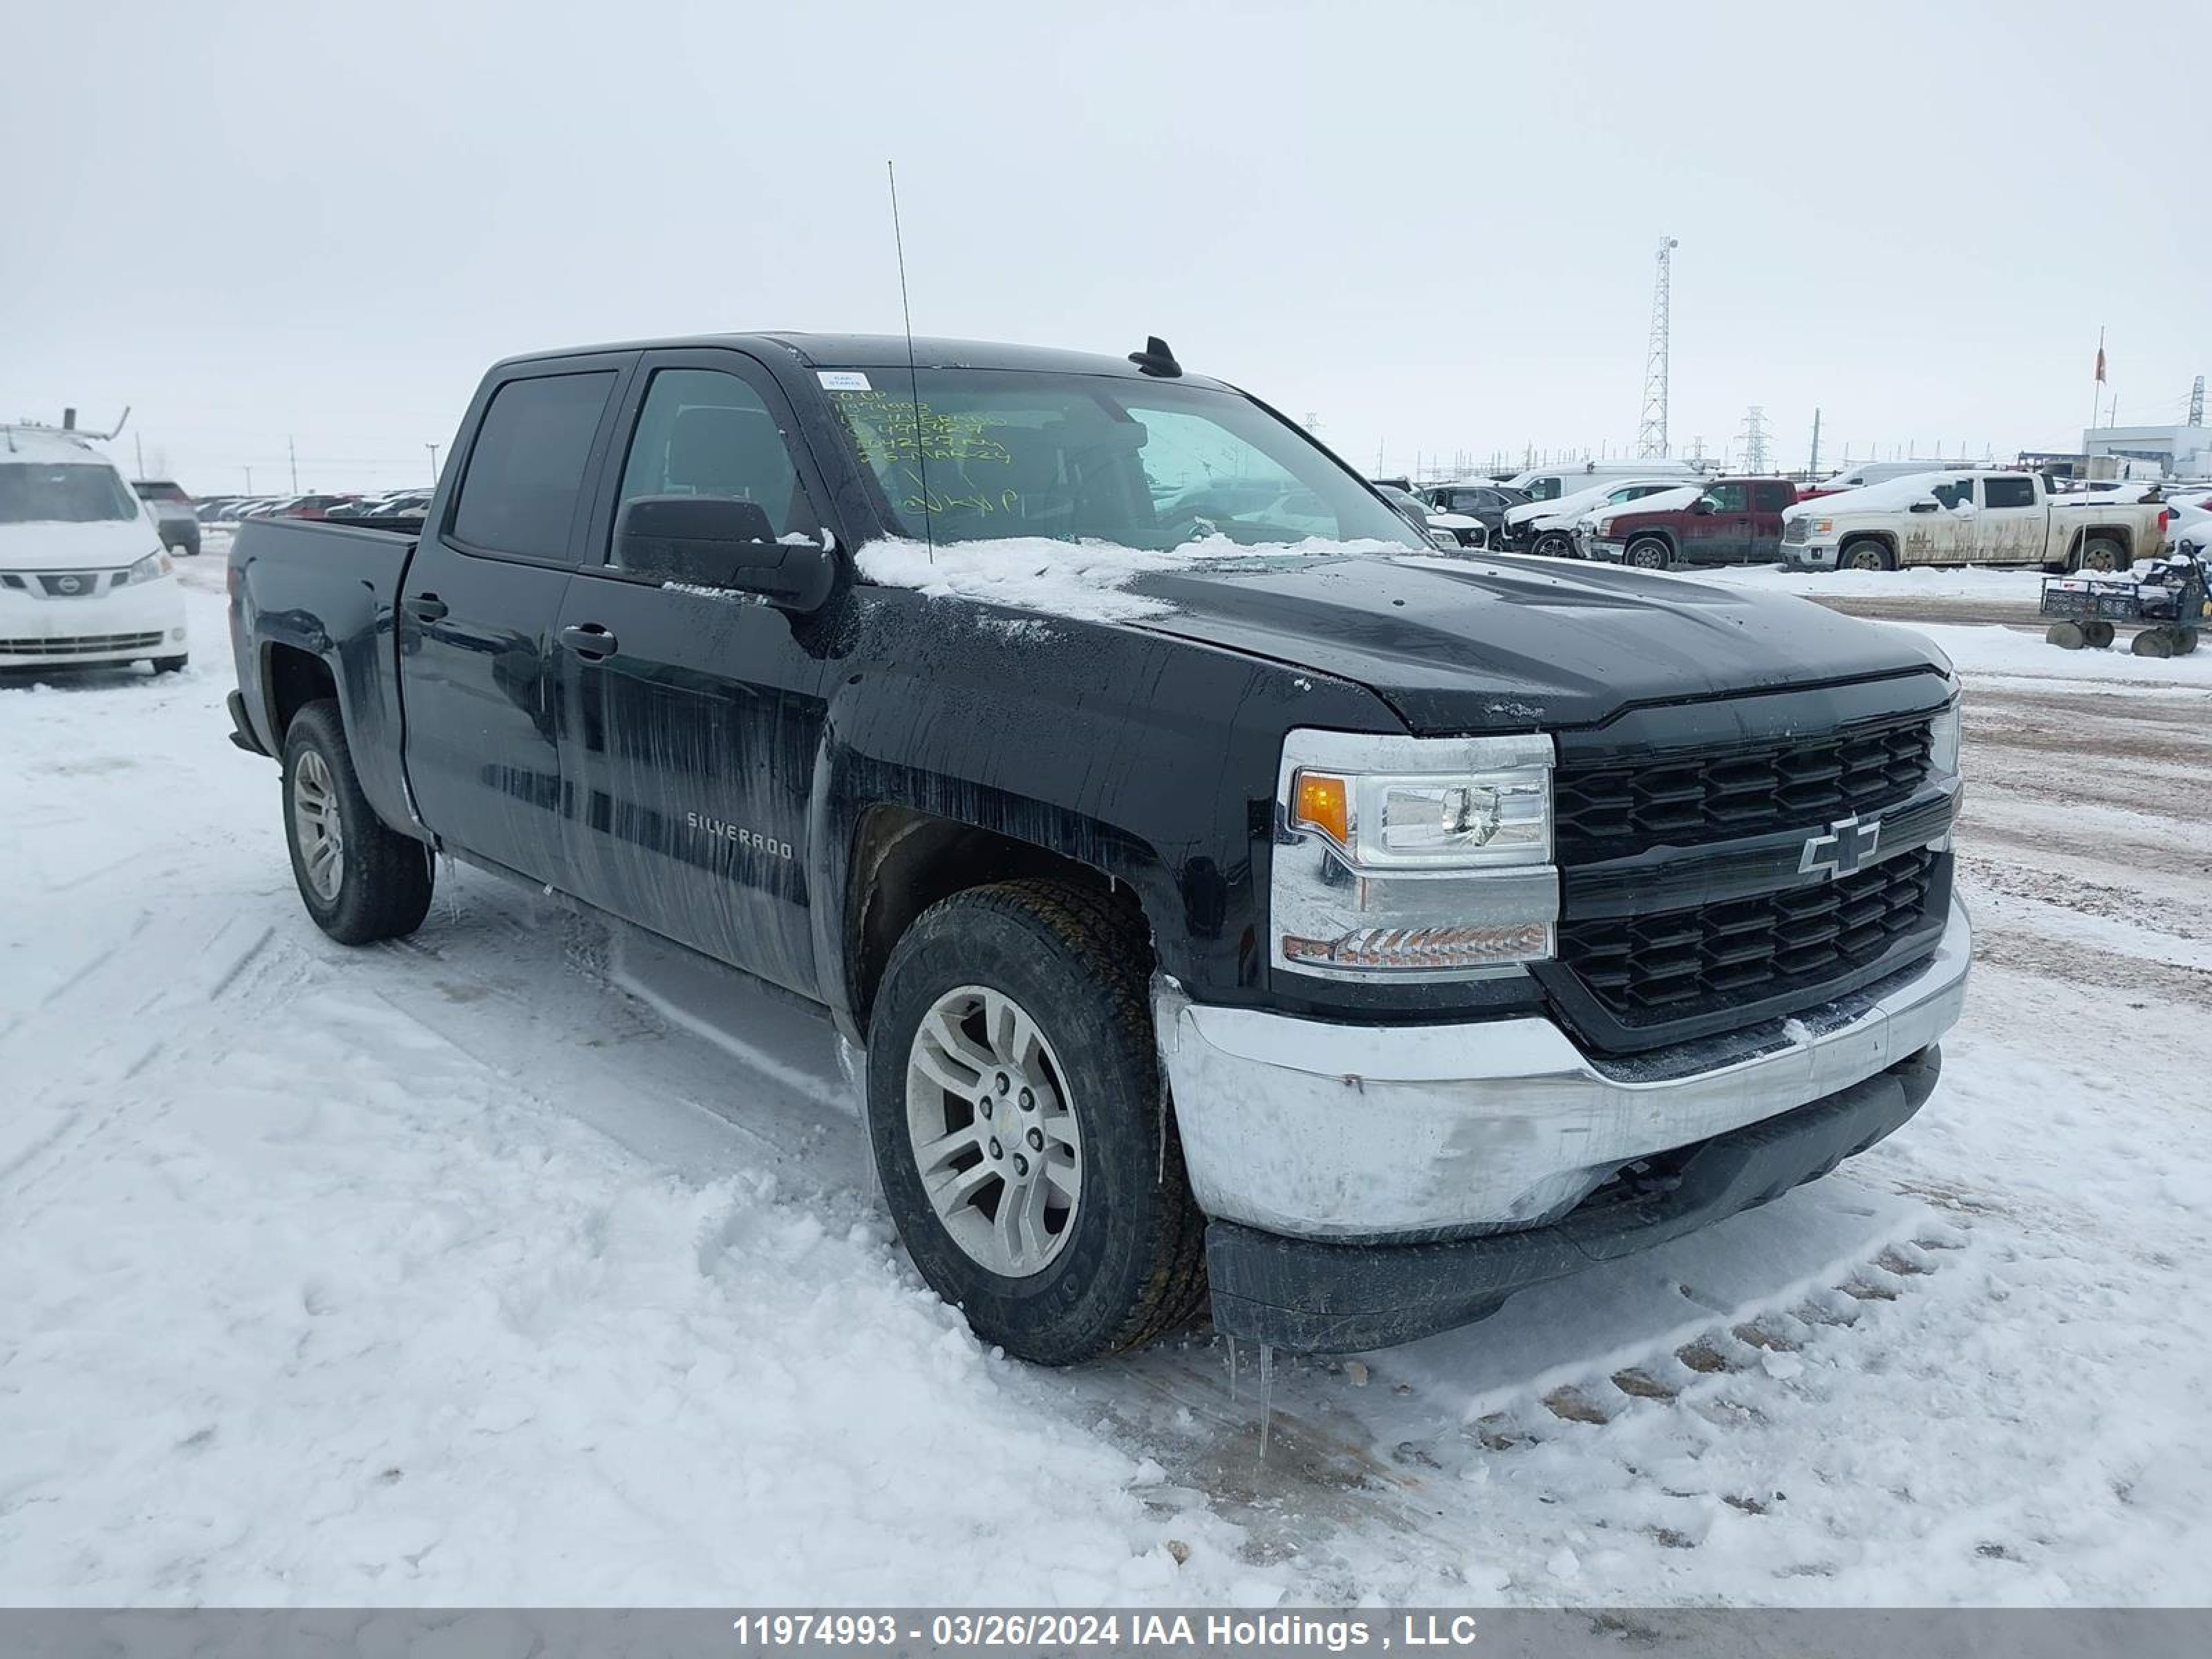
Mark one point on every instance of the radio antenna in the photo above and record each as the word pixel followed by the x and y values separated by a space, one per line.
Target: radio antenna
pixel 913 374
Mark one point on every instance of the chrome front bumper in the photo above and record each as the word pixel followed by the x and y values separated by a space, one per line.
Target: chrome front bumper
pixel 1404 1132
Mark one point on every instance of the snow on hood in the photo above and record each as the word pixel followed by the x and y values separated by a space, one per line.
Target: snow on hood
pixel 1666 501
pixel 1890 495
pixel 102 545
pixel 1084 581
pixel 1570 507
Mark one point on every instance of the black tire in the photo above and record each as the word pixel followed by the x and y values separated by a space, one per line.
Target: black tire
pixel 384 877
pixel 2102 555
pixel 2100 633
pixel 2152 642
pixel 1554 544
pixel 170 665
pixel 1866 554
pixel 2184 641
pixel 1131 1267
pixel 2066 635
pixel 1649 553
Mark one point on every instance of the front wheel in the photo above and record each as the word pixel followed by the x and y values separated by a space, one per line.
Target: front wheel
pixel 1650 554
pixel 1866 555
pixel 1554 544
pixel 361 879
pixel 1017 1119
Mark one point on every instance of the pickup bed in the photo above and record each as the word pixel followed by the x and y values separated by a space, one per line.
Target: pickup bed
pixel 1316 931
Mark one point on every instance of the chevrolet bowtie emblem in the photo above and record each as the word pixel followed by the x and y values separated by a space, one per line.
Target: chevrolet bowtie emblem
pixel 1847 845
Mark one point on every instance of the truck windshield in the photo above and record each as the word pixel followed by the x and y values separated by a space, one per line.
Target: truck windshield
pixel 83 492
pixel 986 453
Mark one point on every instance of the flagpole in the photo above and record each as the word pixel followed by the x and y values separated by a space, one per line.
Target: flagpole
pixel 2096 387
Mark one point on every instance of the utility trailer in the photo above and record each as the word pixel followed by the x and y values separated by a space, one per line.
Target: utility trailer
pixel 2171 602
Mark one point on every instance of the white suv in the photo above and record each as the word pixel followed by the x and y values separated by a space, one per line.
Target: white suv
pixel 83 581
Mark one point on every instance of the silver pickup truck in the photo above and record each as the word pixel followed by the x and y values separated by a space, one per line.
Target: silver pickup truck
pixel 1970 517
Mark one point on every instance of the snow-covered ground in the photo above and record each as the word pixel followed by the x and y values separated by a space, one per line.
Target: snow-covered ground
pixel 507 1264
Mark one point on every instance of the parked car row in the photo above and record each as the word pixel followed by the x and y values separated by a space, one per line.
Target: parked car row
pixel 391 504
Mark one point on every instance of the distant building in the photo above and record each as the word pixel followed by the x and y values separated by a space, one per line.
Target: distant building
pixel 2180 452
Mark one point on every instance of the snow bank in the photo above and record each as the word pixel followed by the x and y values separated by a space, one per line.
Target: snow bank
pixel 2013 654
pixel 1914 582
pixel 443 1274
pixel 1085 580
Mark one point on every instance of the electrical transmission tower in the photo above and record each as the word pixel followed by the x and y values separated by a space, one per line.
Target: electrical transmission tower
pixel 1755 439
pixel 1651 430
pixel 2196 402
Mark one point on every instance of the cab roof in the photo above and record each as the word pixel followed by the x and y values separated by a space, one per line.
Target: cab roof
pixel 866 351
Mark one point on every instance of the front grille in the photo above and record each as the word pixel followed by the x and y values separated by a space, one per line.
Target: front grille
pixel 1671 964
pixel 80 645
pixel 72 584
pixel 1797 530
pixel 1615 809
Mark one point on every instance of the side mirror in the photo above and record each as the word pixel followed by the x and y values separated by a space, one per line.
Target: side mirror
pixel 1924 505
pixel 717 541
pixel 1703 504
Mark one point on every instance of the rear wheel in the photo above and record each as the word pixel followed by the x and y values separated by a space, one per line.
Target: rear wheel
pixel 361 879
pixel 1865 555
pixel 1650 554
pixel 1017 1119
pixel 2103 554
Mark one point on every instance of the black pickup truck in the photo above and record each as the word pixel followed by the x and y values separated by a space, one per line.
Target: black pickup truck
pixel 1240 905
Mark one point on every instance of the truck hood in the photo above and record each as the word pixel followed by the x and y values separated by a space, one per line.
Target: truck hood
pixel 1467 645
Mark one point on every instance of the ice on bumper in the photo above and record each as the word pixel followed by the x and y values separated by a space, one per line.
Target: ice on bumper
pixel 1320 1130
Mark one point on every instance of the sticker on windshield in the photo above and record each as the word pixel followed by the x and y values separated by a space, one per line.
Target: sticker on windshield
pixel 842 380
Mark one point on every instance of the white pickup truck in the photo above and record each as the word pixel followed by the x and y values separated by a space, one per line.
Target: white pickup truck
pixel 1969 517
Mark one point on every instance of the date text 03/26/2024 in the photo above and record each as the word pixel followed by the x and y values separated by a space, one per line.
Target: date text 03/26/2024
pixel 1265 1632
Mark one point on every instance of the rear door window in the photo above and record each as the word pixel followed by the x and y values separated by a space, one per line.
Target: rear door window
pixel 1771 497
pixel 2007 492
pixel 526 469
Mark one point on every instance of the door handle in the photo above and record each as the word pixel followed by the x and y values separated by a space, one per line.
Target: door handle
pixel 590 642
pixel 427 607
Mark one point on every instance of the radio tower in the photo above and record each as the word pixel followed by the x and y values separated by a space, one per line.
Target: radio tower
pixel 1755 439
pixel 2196 402
pixel 1651 431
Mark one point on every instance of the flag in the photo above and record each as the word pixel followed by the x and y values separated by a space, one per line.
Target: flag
pixel 2100 359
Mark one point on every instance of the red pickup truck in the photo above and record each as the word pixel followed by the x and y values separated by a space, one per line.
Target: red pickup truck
pixel 1730 521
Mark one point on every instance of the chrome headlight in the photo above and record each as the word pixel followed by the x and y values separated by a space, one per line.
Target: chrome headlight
pixel 1943 740
pixel 1412 858
pixel 154 564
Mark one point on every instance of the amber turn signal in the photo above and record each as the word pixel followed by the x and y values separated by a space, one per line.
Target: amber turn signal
pixel 1324 803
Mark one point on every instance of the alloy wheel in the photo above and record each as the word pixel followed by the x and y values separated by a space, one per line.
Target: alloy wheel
pixel 992 1129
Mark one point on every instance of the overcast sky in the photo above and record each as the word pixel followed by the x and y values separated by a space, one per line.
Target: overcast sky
pixel 1431 227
